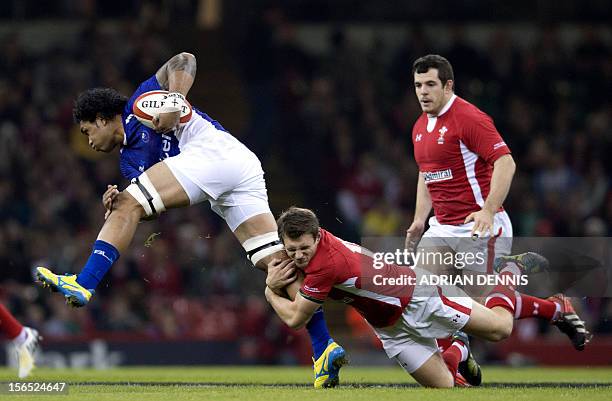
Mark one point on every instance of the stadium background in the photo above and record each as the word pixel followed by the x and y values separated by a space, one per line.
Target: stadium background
pixel 322 92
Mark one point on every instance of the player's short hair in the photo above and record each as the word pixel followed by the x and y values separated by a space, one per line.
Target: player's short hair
pixel 444 67
pixel 103 102
pixel 296 221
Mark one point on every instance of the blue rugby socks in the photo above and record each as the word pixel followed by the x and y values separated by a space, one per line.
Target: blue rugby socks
pixel 319 336
pixel 102 258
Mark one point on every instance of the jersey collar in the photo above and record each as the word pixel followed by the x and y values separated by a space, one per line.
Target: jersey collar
pixel 445 108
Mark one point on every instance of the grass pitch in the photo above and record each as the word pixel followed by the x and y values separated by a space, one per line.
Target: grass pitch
pixel 293 383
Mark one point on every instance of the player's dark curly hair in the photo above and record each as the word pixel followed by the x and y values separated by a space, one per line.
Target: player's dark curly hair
pixel 296 221
pixel 105 102
pixel 444 67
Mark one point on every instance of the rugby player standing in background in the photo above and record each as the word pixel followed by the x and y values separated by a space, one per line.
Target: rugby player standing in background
pixel 465 170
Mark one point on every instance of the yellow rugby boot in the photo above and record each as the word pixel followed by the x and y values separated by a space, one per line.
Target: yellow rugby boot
pixel 76 295
pixel 327 367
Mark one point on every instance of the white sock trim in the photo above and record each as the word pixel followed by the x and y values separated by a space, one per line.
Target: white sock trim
pixel 463 349
pixel 519 305
pixel 557 312
pixel 502 296
pixel 21 337
pixel 511 268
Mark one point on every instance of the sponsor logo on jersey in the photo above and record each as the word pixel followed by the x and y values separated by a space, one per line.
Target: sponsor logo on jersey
pixel 435 176
pixel 499 145
pixel 144 136
pixel 311 289
pixel 442 132
pixel 418 137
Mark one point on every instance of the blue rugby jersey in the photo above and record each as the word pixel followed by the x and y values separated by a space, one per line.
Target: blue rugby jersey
pixel 143 147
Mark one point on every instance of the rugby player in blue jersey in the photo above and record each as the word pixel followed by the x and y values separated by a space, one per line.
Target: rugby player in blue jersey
pixel 175 166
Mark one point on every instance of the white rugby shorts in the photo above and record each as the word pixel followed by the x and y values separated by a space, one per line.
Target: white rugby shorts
pixel 458 239
pixel 215 166
pixel 432 313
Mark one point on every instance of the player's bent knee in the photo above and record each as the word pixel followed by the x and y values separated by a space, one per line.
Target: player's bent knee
pixel 432 373
pixel 448 383
pixel 443 381
pixel 124 203
pixel 505 330
pixel 145 194
pixel 500 330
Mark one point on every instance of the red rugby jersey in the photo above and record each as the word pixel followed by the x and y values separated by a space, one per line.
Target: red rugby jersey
pixel 455 152
pixel 346 272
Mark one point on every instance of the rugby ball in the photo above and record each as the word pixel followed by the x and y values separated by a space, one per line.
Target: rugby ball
pixel 148 105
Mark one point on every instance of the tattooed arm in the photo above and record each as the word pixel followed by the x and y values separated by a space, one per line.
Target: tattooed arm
pixel 178 73
pixel 176 76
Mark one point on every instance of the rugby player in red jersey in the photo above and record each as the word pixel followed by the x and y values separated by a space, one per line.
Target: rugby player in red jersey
pixel 407 317
pixel 465 173
pixel 24 341
pixel 465 170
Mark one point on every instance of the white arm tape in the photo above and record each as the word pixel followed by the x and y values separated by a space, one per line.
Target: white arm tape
pixel 261 246
pixel 174 101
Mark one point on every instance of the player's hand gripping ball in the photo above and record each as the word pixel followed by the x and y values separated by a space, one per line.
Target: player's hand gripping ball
pixel 148 106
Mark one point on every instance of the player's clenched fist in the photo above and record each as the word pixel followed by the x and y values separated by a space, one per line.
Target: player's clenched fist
pixel 280 274
pixel 108 198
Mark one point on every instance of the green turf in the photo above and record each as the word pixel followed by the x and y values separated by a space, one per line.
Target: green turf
pixel 257 383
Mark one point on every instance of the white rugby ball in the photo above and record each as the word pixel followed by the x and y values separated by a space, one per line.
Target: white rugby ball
pixel 148 105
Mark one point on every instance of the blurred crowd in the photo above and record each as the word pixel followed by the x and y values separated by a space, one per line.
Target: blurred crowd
pixel 343 122
pixel 346 118
pixel 339 123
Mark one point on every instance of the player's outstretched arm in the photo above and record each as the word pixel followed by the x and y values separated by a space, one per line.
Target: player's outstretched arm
pixel 296 314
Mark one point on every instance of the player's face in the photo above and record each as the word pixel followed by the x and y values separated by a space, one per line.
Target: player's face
pixel 301 250
pixel 431 94
pixel 100 135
